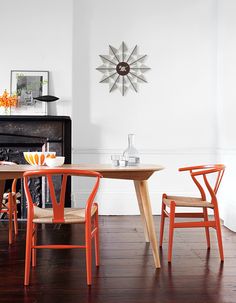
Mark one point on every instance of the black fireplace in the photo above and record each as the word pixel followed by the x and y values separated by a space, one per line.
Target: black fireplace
pixel 35 133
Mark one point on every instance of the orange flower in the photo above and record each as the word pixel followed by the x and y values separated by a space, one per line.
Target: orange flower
pixel 8 101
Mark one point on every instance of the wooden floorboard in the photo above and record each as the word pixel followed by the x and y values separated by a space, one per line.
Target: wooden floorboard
pixel 126 273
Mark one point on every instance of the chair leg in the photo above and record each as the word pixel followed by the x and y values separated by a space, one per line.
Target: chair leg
pixel 171 230
pixel 96 240
pixel 88 244
pixel 163 216
pixel 10 213
pixel 28 249
pixel 15 216
pixel 218 232
pixel 206 228
pixel 34 241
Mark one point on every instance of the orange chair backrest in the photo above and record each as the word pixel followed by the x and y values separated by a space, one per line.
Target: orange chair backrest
pixel 205 171
pixel 58 206
pixel 13 186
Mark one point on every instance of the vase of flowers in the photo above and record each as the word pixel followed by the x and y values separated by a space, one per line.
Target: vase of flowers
pixel 6 102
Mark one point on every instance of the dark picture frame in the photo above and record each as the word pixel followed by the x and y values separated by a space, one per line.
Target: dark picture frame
pixel 29 84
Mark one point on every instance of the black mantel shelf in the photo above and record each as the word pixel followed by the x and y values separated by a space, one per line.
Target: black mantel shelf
pixel 53 128
pixel 34 118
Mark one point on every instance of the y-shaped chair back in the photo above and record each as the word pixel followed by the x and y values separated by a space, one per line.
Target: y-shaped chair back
pixel 59 214
pixel 58 206
pixel 204 171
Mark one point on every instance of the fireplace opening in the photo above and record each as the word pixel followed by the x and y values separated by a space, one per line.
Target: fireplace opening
pixel 13 152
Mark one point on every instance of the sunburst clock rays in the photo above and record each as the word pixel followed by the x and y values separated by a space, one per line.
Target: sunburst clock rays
pixel 123 69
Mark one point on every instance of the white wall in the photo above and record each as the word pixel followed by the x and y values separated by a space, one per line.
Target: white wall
pixel 173 115
pixel 226 106
pixel 180 39
pixel 37 35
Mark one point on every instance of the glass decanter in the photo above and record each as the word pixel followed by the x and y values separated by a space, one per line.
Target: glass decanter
pixel 131 154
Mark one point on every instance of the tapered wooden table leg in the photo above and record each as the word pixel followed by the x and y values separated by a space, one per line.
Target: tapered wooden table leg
pixel 140 204
pixel 142 188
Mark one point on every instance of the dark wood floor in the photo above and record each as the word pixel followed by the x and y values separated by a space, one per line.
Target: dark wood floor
pixel 126 273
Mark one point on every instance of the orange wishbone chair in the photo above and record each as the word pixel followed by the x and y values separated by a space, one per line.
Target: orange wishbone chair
pixel 8 205
pixel 58 214
pixel 207 179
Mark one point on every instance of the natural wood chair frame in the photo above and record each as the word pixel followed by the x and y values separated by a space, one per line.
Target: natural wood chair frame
pixel 172 202
pixel 58 217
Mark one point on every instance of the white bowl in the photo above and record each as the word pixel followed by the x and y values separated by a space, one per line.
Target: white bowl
pixel 54 162
pixel 37 158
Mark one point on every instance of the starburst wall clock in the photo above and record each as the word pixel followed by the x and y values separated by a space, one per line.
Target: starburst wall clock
pixel 123 69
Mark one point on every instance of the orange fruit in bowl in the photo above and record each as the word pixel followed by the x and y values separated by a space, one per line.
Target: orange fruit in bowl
pixel 52 156
pixel 35 158
pixel 38 158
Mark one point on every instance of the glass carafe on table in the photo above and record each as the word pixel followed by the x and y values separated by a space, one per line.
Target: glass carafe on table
pixel 131 154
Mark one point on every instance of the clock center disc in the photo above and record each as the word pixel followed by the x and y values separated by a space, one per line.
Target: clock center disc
pixel 123 68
